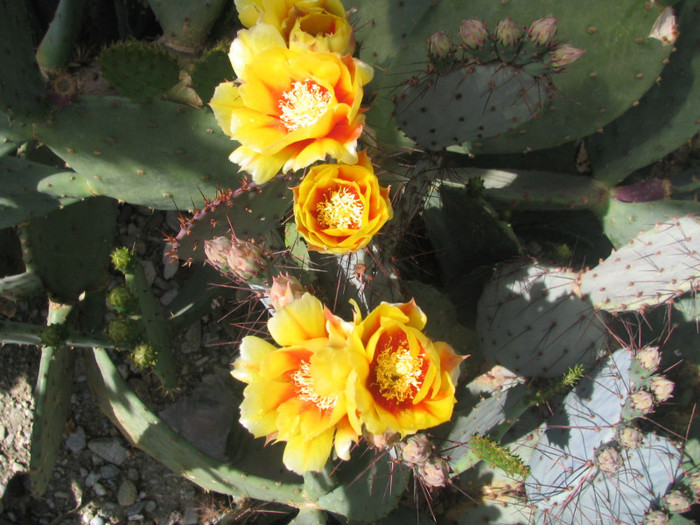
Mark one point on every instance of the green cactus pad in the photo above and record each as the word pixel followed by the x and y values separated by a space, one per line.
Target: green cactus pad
pixel 69 248
pixel 22 89
pixel 251 211
pixel 139 71
pixel 160 154
pixel 186 23
pixel 531 321
pixel 212 68
pixel 152 435
pixel 666 117
pixel 469 104
pixel 56 47
pixel 536 190
pixel 621 63
pixel 651 269
pixel 52 403
pixel 29 189
pixel 622 221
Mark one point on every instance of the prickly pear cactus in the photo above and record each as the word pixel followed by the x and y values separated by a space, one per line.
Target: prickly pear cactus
pixel 434 223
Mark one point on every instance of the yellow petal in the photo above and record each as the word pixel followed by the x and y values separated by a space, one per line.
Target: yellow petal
pixel 299 321
pixel 250 43
pixel 302 454
pixel 225 101
pixel 253 351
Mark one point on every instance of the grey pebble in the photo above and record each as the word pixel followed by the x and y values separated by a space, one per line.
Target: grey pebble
pixel 108 449
pixel 149 506
pixel 91 479
pixel 97 521
pixel 109 471
pixel 75 442
pixel 126 495
pixel 99 489
pixel 132 474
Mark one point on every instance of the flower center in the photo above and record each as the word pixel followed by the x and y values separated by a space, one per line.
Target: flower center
pixel 341 208
pixel 398 372
pixel 303 104
pixel 304 384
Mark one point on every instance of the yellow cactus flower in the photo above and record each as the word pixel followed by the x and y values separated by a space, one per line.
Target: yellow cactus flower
pixel 290 107
pixel 317 24
pixel 338 208
pixel 297 392
pixel 406 382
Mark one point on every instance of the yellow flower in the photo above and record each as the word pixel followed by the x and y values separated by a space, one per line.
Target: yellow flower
pixel 406 382
pixel 338 208
pixel 291 107
pixel 317 24
pixel 297 392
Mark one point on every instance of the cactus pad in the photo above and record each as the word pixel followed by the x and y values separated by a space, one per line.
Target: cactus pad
pixel 656 266
pixel 139 71
pixel 531 321
pixel 469 104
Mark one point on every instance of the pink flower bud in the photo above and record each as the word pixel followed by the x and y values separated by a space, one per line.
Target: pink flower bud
pixel 245 259
pixel 439 45
pixel 417 449
pixel 609 460
pixel 507 32
pixel 656 517
pixel 565 55
pixel 649 358
pixel 630 437
pixel 642 401
pixel 216 251
pixel 434 472
pixel 284 290
pixel 677 502
pixel 474 33
pixel 661 387
pixel 542 30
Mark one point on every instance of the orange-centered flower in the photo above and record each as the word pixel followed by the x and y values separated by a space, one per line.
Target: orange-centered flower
pixel 320 25
pixel 338 208
pixel 406 382
pixel 297 392
pixel 289 107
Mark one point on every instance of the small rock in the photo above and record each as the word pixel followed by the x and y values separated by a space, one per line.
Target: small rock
pixel 126 495
pixel 132 474
pixel 108 449
pixel 97 521
pixel 150 270
pixel 170 267
pixel 192 338
pixel 149 505
pixel 99 489
pixel 168 296
pixel 109 471
pixel 75 442
pixel 3 432
pixel 91 479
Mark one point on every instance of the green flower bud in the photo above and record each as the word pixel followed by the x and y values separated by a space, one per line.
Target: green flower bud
pixel 124 331
pixel 440 45
pixel 53 335
pixel 123 259
pixel 121 299
pixel 216 251
pixel 144 356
